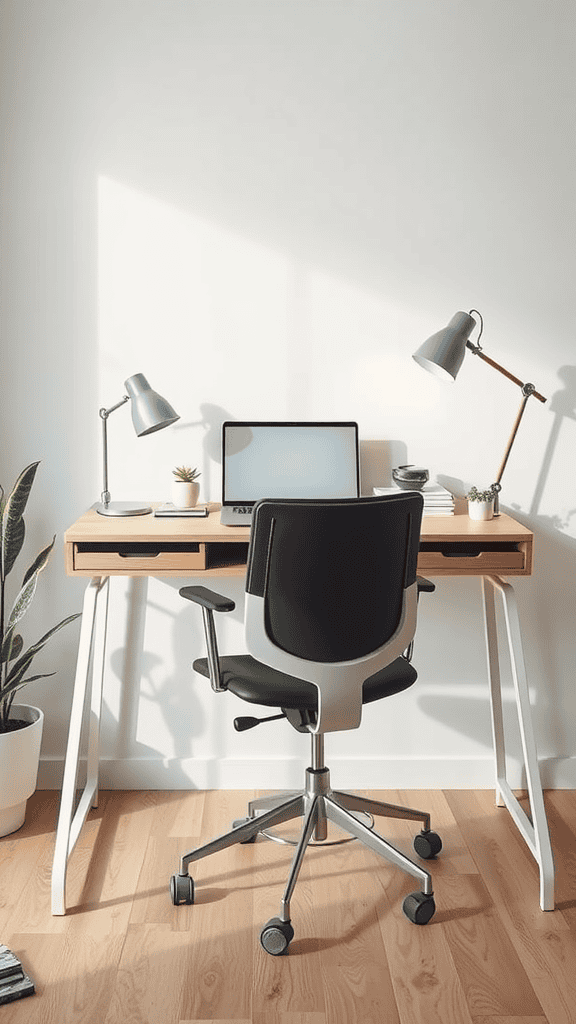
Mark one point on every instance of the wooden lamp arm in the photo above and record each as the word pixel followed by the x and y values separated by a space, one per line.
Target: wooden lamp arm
pixel 511 440
pixel 492 362
pixel 527 391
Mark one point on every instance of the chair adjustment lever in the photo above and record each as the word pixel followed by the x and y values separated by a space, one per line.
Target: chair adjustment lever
pixel 247 722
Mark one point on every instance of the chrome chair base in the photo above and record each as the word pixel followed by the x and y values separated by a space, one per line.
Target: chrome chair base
pixel 318 804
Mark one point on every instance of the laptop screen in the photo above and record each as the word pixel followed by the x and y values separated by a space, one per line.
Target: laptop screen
pixel 289 460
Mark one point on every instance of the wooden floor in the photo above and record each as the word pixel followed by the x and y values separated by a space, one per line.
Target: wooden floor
pixel 124 955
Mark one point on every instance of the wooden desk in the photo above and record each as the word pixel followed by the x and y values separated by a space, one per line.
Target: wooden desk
pixel 98 547
pixel 147 546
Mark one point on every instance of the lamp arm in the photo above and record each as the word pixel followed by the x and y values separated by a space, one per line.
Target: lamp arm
pixel 527 390
pixel 104 414
pixel 511 440
pixel 492 362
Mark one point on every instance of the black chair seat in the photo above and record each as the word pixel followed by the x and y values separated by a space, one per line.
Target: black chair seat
pixel 260 684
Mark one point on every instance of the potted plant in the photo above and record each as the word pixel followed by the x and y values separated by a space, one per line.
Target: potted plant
pixel 20 724
pixel 185 490
pixel 481 503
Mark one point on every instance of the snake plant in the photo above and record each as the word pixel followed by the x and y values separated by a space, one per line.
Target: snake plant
pixel 15 661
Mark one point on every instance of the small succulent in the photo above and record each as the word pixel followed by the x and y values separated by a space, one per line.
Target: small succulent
pixel 186 475
pixel 475 495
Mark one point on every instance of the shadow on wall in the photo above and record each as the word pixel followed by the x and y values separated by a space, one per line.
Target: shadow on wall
pixel 543 615
pixel 563 406
pixel 175 696
pixel 213 416
pixel 555 547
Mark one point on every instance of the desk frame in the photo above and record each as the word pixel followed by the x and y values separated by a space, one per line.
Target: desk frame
pixel 437 533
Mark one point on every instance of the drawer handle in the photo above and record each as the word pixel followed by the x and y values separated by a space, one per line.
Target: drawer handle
pixel 462 554
pixel 466 549
pixel 140 554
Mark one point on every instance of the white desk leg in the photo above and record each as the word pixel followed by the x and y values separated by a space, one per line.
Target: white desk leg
pixel 534 832
pixel 495 688
pixel 89 668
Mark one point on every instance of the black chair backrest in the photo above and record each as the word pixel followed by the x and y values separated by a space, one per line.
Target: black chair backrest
pixel 332 573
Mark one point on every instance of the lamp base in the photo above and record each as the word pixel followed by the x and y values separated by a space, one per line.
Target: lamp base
pixel 122 508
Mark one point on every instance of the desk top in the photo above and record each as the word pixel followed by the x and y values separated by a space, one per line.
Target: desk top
pixel 94 527
pixel 149 528
pixel 450 546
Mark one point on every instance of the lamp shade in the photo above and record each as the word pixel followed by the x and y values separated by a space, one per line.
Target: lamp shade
pixel 150 411
pixel 444 352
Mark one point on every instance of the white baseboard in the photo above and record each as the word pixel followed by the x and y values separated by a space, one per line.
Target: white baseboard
pixel 346 773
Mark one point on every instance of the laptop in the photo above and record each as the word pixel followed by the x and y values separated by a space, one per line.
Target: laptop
pixel 286 460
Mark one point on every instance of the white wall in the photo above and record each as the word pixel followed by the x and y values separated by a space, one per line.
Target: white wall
pixel 265 207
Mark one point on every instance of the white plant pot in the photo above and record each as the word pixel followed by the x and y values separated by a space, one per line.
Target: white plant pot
pixel 185 495
pixel 481 510
pixel 19 758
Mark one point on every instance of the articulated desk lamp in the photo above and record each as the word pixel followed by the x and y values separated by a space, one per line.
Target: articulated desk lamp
pixel 443 355
pixel 150 412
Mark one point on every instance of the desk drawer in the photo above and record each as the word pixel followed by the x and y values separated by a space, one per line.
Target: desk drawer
pixel 472 558
pixel 131 559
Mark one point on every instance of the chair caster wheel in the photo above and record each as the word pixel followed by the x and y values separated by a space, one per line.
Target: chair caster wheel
pixel 181 889
pixel 276 936
pixel 419 908
pixel 427 845
pixel 244 821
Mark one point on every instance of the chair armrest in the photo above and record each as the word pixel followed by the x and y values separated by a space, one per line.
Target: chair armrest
pixel 210 602
pixel 424 585
pixel 208 599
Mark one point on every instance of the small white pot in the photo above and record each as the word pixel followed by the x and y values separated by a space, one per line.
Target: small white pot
pixel 19 759
pixel 185 495
pixel 481 510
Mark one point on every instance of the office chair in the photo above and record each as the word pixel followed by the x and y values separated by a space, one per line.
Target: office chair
pixel 331 600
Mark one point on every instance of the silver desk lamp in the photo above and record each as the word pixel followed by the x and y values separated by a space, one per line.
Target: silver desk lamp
pixel 150 412
pixel 443 355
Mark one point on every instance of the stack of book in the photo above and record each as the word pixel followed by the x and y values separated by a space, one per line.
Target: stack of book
pixel 438 501
pixel 14 983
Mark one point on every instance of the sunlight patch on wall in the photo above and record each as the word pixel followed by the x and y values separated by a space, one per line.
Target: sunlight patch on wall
pixel 200 311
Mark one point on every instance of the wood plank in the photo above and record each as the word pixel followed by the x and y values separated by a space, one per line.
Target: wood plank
pixel 426 985
pixel 151 903
pixel 349 904
pixel 296 1017
pixel 220 936
pixel 105 901
pixel 220 1020
pixel 73 977
pixel 511 1020
pixel 21 860
pixel 487 964
pixel 151 976
pixel 178 813
pixel 284 985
